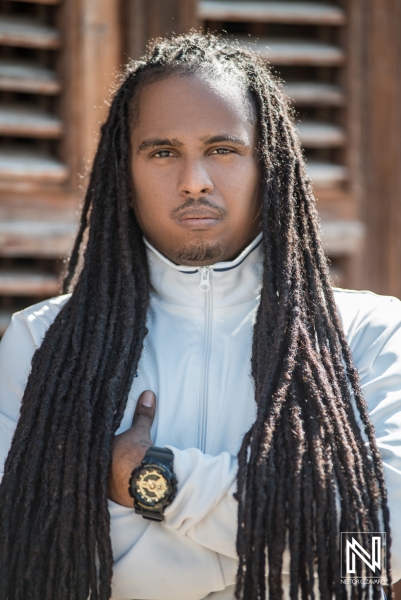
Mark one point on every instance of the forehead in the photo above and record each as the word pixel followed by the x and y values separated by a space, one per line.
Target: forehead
pixel 185 104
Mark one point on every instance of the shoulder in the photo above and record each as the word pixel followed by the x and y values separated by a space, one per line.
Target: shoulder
pixel 362 308
pixel 36 319
pixel 372 325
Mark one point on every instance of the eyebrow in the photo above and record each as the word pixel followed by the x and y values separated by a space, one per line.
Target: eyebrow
pixel 157 142
pixel 226 137
pixel 207 140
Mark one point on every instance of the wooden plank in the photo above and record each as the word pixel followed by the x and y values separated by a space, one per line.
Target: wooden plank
pixel 326 175
pixel 337 276
pixel 381 144
pixel 16 164
pixel 342 238
pixel 27 33
pixel 282 52
pixel 272 12
pixel 36 238
pixel 27 122
pixel 20 76
pixel 315 93
pixel 47 205
pixel 100 51
pixel 314 134
pixel 49 2
pixel 71 100
pixel 187 15
pixel 19 283
pixel 5 318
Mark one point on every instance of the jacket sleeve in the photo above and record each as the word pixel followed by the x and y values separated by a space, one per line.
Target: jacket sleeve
pixel 151 561
pixel 374 336
pixel 16 351
pixel 192 552
pixel 372 324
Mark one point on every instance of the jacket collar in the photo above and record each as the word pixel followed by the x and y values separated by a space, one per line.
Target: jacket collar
pixel 230 283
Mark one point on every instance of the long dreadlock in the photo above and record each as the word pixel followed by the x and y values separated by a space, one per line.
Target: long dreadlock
pixel 305 442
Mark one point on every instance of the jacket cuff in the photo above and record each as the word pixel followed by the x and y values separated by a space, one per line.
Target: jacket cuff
pixel 203 480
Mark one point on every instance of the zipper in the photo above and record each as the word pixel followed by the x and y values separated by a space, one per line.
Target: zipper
pixel 206 286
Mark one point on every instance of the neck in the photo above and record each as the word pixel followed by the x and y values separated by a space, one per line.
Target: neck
pixel 230 282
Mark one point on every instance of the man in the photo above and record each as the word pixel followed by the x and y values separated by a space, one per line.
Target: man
pixel 202 415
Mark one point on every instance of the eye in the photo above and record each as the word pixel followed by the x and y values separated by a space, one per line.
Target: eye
pixel 222 151
pixel 163 154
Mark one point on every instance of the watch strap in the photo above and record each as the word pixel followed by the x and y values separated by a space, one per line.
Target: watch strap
pixel 155 454
pixel 158 453
pixel 152 515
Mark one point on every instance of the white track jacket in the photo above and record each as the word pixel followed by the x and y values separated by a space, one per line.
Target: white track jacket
pixel 196 359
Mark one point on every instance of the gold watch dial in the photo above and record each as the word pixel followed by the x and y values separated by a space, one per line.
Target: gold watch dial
pixel 152 485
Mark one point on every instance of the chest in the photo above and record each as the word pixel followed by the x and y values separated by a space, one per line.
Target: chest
pixel 198 362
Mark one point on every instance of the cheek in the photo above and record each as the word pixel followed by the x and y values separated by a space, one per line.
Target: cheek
pixel 151 203
pixel 151 178
pixel 240 187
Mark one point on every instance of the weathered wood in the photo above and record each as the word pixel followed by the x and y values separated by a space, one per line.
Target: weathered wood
pixel 5 318
pixel 147 19
pixel 36 238
pixel 271 12
pixel 28 283
pixel 100 51
pixel 283 52
pixel 187 15
pixel 326 175
pixel 137 28
pixel 69 21
pixel 315 134
pixel 28 122
pixel 315 93
pixel 50 2
pixel 31 166
pixel 27 33
pixel 381 143
pixel 337 276
pixel 352 80
pixel 341 238
pixel 20 76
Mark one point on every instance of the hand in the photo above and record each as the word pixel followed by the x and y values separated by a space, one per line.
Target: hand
pixel 129 449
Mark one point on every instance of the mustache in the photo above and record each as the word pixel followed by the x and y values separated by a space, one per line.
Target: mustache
pixel 198 203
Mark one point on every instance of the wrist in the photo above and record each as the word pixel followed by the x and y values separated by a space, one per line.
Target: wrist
pixel 120 472
pixel 153 484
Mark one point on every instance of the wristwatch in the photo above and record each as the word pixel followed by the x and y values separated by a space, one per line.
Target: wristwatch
pixel 153 484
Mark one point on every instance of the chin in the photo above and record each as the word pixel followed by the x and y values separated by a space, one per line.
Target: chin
pixel 199 254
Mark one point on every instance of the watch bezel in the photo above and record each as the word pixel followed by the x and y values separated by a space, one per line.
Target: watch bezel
pixel 171 484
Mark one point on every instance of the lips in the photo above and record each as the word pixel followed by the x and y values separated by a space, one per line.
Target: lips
pixel 198 219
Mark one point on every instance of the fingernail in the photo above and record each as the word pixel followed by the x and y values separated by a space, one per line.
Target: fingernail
pixel 148 399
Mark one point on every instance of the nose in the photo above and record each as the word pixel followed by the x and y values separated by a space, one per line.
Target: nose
pixel 194 178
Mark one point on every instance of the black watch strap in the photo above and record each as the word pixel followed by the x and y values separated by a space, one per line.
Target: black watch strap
pixel 163 454
pixel 156 455
pixel 152 515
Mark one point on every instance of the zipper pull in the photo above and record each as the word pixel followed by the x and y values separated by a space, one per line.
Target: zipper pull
pixel 204 282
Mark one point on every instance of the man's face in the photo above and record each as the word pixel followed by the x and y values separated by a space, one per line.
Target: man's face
pixel 195 169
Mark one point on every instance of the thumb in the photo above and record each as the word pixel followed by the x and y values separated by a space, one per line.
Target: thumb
pixel 144 414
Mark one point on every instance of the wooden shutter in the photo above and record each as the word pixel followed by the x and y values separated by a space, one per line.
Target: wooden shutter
pixel 57 61
pixel 308 44
pixel 31 161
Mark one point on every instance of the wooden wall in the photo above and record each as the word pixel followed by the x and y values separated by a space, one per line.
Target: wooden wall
pixel 381 142
pixel 146 19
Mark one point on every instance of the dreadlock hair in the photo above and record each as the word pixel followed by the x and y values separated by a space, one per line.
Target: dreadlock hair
pixel 305 443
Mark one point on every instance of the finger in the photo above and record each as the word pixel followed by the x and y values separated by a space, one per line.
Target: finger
pixel 145 411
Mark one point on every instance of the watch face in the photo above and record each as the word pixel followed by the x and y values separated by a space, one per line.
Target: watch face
pixel 150 486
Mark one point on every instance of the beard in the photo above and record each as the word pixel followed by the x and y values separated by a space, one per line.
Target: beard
pixel 199 254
